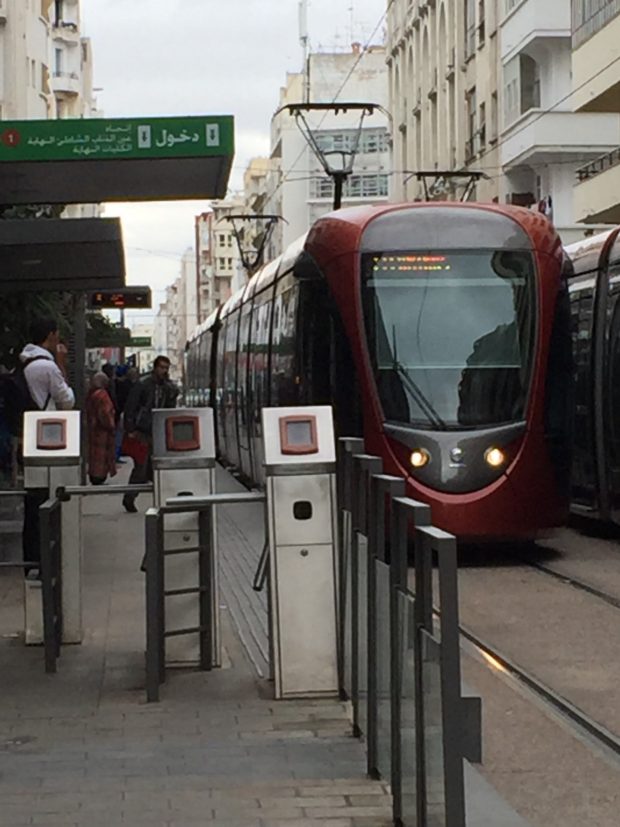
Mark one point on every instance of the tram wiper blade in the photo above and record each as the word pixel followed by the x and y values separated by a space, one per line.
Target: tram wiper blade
pixel 422 401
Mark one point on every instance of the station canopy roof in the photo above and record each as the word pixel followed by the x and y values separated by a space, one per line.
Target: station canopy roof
pixel 130 159
pixel 61 254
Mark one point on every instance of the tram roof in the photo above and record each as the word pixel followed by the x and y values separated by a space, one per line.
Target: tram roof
pixel 586 254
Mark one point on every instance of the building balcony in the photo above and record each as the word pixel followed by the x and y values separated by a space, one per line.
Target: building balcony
pixel 532 23
pixel 67 32
pixel 549 137
pixel 66 83
pixel 595 67
pixel 597 193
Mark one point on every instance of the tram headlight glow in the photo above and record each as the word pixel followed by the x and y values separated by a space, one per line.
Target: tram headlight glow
pixel 495 457
pixel 419 458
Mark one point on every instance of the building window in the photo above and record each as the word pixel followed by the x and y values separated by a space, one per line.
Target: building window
pixel 470 143
pixel 494 117
pixel 470 27
pixel 481 23
pixel 58 62
pixel 482 129
pixel 590 16
pixel 530 83
pixel 222 239
pixel 356 186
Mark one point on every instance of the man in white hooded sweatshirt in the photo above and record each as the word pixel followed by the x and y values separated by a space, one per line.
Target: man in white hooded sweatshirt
pixel 46 383
pixel 49 391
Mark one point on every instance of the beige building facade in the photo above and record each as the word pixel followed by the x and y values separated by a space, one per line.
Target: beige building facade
pixel 596 89
pixel 444 94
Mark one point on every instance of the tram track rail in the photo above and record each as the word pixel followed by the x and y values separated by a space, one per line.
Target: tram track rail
pixel 574 582
pixel 593 731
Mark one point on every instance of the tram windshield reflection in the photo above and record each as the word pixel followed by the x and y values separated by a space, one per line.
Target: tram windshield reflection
pixel 451 335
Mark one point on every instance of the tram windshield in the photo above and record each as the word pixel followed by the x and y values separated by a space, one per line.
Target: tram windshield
pixel 451 335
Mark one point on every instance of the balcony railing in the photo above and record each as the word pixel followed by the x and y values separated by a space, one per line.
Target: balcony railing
pixel 587 23
pixel 599 165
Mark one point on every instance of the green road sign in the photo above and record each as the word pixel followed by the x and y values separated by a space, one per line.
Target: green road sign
pixel 126 138
pixel 140 341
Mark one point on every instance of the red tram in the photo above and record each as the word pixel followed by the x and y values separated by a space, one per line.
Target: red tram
pixel 438 332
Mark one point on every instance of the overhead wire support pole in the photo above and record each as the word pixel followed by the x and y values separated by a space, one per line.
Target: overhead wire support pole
pixel 442 177
pixel 252 259
pixel 340 173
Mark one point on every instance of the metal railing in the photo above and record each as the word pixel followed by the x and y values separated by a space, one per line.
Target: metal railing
pixel 48 570
pixel 50 534
pixel 401 673
pixel 156 592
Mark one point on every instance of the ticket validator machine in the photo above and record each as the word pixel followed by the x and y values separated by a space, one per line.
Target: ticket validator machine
pixel 300 465
pixel 51 460
pixel 184 465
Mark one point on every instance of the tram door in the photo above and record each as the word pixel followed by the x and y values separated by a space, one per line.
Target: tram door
pixel 584 452
pixel 611 388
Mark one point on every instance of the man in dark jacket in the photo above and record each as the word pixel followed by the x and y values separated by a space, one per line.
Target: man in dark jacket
pixel 154 392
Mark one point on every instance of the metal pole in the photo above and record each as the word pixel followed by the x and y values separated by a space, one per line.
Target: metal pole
pixel 381 486
pixel 207 598
pixel 47 587
pixel 154 598
pixel 398 545
pixel 339 179
pixel 450 679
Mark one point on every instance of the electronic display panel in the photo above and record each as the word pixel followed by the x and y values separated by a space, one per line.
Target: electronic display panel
pixel 51 434
pixel 298 435
pixel 182 433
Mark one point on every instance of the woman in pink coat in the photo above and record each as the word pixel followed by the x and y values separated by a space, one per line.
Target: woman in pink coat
pixel 101 430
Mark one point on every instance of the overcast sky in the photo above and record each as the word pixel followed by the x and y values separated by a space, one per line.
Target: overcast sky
pixel 195 57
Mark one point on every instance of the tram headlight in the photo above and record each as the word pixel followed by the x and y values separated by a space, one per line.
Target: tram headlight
pixel 495 457
pixel 419 458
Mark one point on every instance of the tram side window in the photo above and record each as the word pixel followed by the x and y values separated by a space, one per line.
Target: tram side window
pixel 221 364
pixel 582 309
pixel 202 368
pixel 612 390
pixel 259 359
pixel 284 382
pixel 243 361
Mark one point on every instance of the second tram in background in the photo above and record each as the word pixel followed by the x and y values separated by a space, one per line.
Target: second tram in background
pixel 595 307
pixel 438 332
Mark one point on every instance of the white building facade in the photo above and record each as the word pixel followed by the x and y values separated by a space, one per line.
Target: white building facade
pixel 297 187
pixel 45 64
pixel 543 140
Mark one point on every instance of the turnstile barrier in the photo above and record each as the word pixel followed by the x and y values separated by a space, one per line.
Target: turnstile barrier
pixel 205 589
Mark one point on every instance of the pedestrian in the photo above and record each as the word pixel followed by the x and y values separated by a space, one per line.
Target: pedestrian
pixel 48 390
pixel 101 430
pixel 46 381
pixel 154 392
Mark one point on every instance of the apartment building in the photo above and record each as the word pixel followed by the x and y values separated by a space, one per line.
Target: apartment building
pixel 444 97
pixel 218 263
pixel 543 139
pixel 596 92
pixel 45 63
pixel 297 187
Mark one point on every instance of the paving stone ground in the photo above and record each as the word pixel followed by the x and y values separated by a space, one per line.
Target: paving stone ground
pixel 83 749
